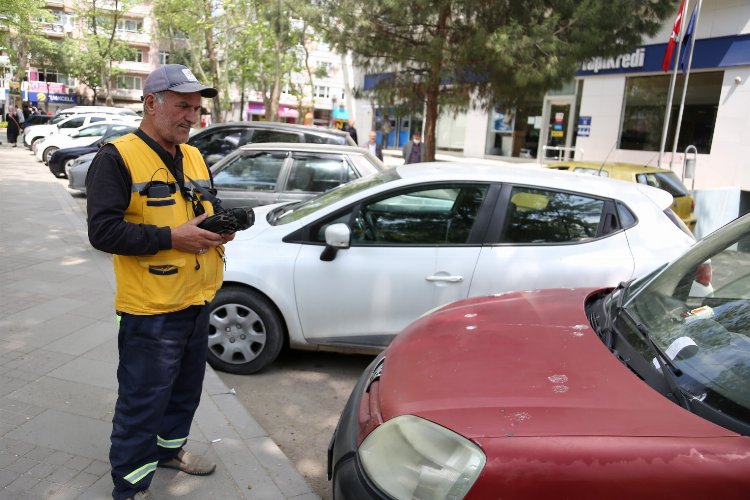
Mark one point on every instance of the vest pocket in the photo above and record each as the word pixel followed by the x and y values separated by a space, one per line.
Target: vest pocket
pixel 164 283
pixel 160 212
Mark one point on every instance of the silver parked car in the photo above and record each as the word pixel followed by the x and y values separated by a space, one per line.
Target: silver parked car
pixel 263 173
pixel 259 174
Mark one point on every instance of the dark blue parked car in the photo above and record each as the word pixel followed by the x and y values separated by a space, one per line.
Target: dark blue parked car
pixel 62 158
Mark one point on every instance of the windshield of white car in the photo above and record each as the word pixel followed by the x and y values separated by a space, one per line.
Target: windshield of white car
pixel 697 312
pixel 295 211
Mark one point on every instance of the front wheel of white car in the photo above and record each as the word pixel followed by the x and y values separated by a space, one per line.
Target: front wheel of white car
pixel 245 332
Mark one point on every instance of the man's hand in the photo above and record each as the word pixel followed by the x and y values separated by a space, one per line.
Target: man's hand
pixel 190 238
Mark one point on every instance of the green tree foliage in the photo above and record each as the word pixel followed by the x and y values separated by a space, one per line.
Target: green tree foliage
pixel 91 55
pixel 442 53
pixel 22 38
pixel 194 30
pixel 252 44
pixel 266 48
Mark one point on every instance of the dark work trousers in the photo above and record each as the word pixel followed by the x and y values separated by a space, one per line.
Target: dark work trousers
pixel 160 376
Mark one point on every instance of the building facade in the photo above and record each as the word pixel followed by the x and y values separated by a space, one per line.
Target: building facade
pixel 614 111
pixel 329 99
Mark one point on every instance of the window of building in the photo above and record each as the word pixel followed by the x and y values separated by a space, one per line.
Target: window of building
pixel 129 82
pixel 130 25
pixel 324 92
pixel 163 57
pixel 51 76
pixel 643 115
pixel 324 69
pixel 135 55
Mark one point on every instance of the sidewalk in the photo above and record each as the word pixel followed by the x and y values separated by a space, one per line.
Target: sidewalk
pixel 58 358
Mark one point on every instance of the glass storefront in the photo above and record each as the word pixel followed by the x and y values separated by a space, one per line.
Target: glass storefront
pixel 515 131
pixel 643 117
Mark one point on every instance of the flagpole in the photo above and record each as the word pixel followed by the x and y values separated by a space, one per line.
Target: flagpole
pixel 670 96
pixel 685 85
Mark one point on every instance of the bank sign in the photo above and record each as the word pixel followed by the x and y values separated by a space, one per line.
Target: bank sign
pixel 709 53
pixel 635 59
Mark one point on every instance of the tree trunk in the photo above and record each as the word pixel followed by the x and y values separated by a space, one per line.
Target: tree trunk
pixel 430 120
pixel 216 110
pixel 432 91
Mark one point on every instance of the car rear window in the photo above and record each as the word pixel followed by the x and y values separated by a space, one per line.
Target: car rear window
pixel 325 139
pixel 667 181
pixel 274 136
pixel 538 216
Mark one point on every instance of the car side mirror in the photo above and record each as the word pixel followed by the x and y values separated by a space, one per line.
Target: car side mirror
pixel 338 236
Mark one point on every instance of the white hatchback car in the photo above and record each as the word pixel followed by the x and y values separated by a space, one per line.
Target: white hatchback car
pixel 82 136
pixel 350 268
pixel 68 125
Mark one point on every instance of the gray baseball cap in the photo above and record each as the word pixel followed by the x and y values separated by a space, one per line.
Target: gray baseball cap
pixel 177 78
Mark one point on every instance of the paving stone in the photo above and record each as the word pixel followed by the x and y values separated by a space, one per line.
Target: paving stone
pixel 23 483
pixel 22 464
pixel 42 470
pixel 39 453
pixel 7 477
pixel 98 468
pixel 58 458
pixel 16 446
pixel 83 480
pixel 74 434
pixel 78 463
pixel 45 490
pixel 82 340
pixel 7 458
pixel 70 397
pixel 87 371
pixel 62 475
pixel 12 418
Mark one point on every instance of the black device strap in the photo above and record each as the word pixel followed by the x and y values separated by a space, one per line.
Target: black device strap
pixel 206 193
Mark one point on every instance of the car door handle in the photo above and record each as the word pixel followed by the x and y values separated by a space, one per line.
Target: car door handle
pixel 449 279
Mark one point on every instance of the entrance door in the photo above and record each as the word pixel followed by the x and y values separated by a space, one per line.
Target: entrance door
pixel 558 129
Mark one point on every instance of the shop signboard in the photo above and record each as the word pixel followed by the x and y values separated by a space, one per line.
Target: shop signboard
pixel 584 126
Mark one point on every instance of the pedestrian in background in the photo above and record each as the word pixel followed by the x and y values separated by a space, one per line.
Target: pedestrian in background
pixel 349 127
pixel 373 146
pixel 20 117
pixel 413 151
pixel 14 128
pixel 144 209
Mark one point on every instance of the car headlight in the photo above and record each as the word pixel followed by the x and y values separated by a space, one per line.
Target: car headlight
pixel 410 457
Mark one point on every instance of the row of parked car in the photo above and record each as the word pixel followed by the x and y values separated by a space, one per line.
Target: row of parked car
pixel 563 357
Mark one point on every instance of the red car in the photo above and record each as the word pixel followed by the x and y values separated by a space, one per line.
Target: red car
pixel 641 392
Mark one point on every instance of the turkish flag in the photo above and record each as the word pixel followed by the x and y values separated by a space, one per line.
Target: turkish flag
pixel 667 61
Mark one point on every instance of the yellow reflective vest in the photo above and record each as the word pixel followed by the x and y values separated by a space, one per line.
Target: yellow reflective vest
pixel 170 280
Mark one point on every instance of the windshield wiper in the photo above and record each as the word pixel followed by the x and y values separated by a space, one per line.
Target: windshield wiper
pixel 605 333
pixel 670 374
pixel 274 214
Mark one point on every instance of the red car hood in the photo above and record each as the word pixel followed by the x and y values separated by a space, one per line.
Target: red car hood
pixel 524 364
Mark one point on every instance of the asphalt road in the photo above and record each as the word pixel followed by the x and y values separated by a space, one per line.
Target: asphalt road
pixel 297 400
